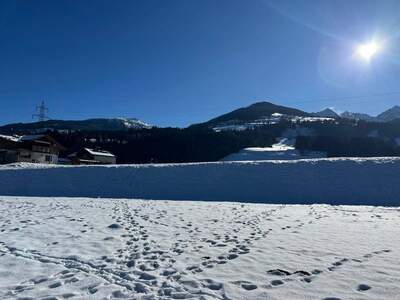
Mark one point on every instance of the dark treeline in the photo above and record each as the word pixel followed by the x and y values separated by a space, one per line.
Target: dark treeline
pixel 349 138
pixel 338 146
pixel 165 145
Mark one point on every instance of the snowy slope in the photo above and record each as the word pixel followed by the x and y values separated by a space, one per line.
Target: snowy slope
pixel 283 150
pixel 390 114
pixel 65 248
pixel 372 181
pixel 358 116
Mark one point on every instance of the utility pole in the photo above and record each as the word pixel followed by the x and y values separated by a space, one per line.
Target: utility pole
pixel 41 111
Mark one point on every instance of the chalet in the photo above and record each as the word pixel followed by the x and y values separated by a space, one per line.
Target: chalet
pixel 29 148
pixel 87 156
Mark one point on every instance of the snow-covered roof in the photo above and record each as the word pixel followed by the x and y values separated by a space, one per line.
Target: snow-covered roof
pixel 23 138
pixel 30 137
pixel 10 138
pixel 99 152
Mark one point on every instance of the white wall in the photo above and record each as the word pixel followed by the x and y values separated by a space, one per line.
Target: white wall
pixel 38 157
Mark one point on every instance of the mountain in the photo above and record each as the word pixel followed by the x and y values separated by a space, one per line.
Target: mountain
pixel 326 113
pixel 101 124
pixel 358 116
pixel 256 111
pixel 386 116
pixel 390 114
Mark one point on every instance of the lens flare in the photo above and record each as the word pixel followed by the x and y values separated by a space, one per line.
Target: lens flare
pixel 368 50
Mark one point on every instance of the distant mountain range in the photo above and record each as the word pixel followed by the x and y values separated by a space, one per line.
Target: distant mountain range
pixel 101 124
pixel 262 113
pixel 255 115
pixel 386 116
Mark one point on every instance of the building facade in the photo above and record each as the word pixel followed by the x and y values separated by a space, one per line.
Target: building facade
pixel 29 148
pixel 87 156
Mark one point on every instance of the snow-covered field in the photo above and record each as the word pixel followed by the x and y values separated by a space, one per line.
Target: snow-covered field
pixel 71 248
pixel 283 150
pixel 364 181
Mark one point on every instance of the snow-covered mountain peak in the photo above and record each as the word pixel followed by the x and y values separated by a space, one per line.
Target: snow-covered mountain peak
pixel 326 113
pixel 133 123
pixel 357 116
pixel 390 114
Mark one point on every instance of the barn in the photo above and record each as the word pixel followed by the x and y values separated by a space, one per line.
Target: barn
pixel 87 156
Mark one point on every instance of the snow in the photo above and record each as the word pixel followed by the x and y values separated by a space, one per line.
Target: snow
pixel 9 138
pixel 30 137
pixel 23 138
pixel 275 118
pixel 99 153
pixel 85 248
pixel 283 150
pixel 365 181
pixel 134 123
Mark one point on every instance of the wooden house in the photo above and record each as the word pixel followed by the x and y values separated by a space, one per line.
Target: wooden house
pixel 29 148
pixel 87 156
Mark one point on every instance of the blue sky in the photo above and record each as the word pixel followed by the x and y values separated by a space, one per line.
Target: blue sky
pixel 177 62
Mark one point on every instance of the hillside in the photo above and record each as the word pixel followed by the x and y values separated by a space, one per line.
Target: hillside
pixel 254 112
pixel 267 113
pixel 326 113
pixel 357 116
pixel 101 124
pixel 390 114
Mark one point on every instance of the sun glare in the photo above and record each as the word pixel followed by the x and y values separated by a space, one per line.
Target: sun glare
pixel 368 50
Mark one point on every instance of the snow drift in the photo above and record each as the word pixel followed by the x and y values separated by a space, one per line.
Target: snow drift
pixel 369 181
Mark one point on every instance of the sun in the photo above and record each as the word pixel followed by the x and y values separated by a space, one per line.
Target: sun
pixel 368 50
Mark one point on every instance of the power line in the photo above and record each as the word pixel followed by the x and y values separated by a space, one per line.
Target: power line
pixel 41 111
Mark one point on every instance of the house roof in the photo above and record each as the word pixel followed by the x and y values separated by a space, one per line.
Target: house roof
pixel 73 154
pixel 32 138
pixel 10 138
pixel 99 152
pixel 25 138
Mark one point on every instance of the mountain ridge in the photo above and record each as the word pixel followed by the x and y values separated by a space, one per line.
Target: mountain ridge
pixel 390 115
pixel 93 124
pixel 327 113
pixel 258 111
pixel 255 111
pixel 266 109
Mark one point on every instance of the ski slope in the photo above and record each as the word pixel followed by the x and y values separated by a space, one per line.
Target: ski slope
pixel 368 181
pixel 71 248
pixel 283 150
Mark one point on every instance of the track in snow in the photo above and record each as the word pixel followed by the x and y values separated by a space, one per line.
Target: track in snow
pixel 98 248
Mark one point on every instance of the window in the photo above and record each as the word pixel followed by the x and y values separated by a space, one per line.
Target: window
pixel 48 158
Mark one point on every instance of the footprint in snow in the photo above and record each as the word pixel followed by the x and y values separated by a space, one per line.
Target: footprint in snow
pixel 276 282
pixel 114 226
pixel 363 287
pixel 246 285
